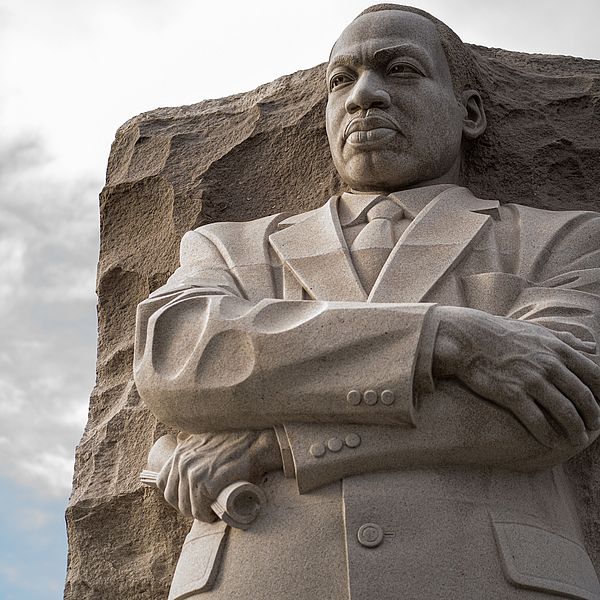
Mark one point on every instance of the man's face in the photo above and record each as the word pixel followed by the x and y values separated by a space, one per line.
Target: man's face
pixel 393 120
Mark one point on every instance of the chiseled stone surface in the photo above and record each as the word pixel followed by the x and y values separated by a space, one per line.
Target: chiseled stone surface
pixel 172 170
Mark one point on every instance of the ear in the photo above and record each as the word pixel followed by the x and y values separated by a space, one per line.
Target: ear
pixel 474 120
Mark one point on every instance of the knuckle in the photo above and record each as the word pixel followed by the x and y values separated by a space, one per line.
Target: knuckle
pixel 588 401
pixel 572 424
pixel 514 393
pixel 565 418
pixel 568 337
pixel 185 456
pixel 548 366
pixel 537 419
pixel 187 459
pixel 533 383
pixel 566 411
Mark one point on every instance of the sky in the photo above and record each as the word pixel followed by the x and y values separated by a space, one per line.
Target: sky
pixel 71 72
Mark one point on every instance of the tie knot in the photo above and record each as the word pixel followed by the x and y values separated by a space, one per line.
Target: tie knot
pixel 385 209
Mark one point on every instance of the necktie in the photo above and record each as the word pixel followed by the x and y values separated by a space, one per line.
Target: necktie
pixel 374 243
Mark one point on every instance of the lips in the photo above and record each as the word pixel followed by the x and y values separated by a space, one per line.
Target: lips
pixel 369 130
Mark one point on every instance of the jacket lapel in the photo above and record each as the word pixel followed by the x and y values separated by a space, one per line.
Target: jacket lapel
pixel 314 251
pixel 433 243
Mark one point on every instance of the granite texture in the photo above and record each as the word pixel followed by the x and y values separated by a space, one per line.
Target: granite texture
pixel 172 170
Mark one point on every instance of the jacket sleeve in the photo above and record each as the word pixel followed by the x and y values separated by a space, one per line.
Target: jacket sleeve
pixel 558 287
pixel 209 358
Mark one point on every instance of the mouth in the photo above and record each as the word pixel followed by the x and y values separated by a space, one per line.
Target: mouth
pixel 370 130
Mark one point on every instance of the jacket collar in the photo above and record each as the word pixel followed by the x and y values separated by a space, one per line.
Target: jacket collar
pixel 447 219
pixel 352 206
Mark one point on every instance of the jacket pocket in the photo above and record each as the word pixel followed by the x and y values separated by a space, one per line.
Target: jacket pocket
pixel 200 558
pixel 537 558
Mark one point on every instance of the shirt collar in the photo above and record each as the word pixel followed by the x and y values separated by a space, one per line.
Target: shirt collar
pixel 352 206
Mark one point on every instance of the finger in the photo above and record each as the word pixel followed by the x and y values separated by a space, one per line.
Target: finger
pixel 184 490
pixel 163 475
pixel 574 342
pixel 563 411
pixel 581 396
pixel 200 506
pixel 170 482
pixel 532 417
pixel 584 368
pixel 515 399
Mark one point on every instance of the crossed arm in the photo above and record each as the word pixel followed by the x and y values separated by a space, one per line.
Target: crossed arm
pixel 510 391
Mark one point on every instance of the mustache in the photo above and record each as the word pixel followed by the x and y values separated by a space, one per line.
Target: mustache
pixel 371 121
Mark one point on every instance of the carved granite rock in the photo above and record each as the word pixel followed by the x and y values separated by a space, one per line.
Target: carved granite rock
pixel 175 169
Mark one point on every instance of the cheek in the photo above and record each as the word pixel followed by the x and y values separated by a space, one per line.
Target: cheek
pixel 449 115
pixel 332 118
pixel 442 129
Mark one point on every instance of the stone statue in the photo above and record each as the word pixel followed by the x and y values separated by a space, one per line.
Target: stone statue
pixel 402 372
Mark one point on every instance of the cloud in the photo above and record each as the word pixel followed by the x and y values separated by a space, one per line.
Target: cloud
pixel 48 252
pixel 22 153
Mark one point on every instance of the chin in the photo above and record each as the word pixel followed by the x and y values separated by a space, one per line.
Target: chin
pixel 367 180
pixel 378 171
pixel 387 172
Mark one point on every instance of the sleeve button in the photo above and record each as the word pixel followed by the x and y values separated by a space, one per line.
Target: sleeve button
pixel 352 440
pixel 317 450
pixel 387 397
pixel 335 444
pixel 353 397
pixel 370 397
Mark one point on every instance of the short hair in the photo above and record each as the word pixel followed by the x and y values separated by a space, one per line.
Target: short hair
pixel 464 71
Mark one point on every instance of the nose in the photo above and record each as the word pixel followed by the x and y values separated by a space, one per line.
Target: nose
pixel 367 92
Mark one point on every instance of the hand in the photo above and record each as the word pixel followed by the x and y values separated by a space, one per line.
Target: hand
pixel 203 464
pixel 542 377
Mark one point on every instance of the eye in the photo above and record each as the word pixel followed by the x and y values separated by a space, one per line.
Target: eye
pixel 403 69
pixel 339 79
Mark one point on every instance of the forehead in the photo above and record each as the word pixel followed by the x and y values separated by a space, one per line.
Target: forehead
pixel 386 29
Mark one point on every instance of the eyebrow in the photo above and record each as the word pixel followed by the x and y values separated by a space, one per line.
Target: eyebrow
pixel 408 49
pixel 383 55
pixel 343 60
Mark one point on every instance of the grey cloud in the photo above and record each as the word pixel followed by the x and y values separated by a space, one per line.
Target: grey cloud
pixel 48 254
pixel 22 153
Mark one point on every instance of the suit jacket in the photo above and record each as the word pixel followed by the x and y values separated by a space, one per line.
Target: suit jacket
pixel 406 490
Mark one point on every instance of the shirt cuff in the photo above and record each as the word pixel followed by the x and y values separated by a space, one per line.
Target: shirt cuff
pixel 423 378
pixel 287 459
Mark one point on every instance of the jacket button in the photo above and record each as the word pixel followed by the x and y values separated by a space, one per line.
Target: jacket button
pixel 353 397
pixel 370 397
pixel 352 440
pixel 370 535
pixel 335 444
pixel 317 450
pixel 387 397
